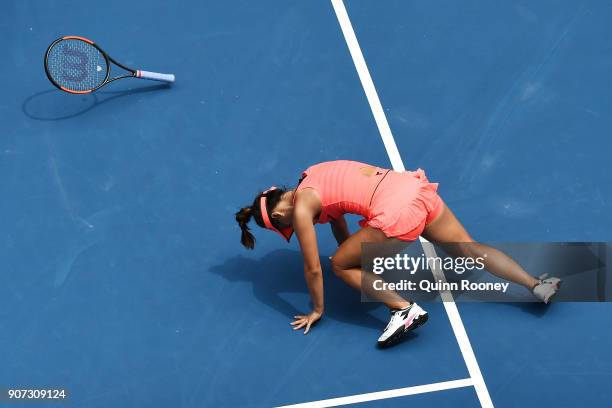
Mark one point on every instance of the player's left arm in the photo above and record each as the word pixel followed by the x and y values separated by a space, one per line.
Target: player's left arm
pixel 313 274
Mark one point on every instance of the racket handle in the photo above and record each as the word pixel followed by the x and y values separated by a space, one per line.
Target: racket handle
pixel 155 76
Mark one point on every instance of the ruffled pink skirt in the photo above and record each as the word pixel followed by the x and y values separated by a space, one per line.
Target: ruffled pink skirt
pixel 403 204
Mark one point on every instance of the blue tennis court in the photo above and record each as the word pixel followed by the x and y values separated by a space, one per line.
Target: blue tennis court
pixel 123 277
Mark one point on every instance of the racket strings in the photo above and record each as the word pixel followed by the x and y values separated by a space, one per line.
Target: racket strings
pixel 77 65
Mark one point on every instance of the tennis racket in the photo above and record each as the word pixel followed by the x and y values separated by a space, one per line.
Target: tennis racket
pixel 79 66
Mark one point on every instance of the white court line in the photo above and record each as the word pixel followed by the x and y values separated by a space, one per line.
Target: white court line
pixel 398 165
pixel 373 396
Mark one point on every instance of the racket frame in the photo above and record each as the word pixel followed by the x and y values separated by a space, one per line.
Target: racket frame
pixel 108 59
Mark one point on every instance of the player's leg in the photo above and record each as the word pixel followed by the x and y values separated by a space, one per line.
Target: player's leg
pixel 446 229
pixel 346 264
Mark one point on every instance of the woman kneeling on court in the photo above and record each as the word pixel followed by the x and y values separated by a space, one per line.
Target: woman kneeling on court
pixel 395 206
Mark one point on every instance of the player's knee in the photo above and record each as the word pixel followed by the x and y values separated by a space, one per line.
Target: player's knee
pixel 337 266
pixel 470 248
pixel 461 245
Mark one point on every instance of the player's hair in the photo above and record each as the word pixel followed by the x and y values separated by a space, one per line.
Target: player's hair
pixel 243 216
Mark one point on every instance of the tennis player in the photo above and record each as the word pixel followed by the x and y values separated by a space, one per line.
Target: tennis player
pixel 394 206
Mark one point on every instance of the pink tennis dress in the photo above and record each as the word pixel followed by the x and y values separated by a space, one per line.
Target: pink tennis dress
pixel 399 204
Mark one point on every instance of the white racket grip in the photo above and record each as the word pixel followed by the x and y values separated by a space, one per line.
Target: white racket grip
pixel 155 76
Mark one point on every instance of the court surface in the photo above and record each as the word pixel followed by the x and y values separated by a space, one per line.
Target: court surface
pixel 123 278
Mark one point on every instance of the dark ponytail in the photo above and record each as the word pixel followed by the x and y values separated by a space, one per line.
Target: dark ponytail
pixel 243 216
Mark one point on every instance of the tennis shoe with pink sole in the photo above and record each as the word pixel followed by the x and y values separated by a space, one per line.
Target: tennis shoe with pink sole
pixel 402 321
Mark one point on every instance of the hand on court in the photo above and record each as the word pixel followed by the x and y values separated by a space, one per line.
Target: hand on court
pixel 305 321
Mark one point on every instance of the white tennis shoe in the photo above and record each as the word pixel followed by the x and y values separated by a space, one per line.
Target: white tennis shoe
pixel 402 321
pixel 546 289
